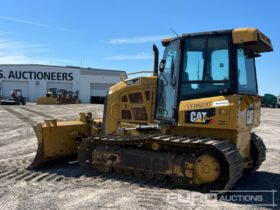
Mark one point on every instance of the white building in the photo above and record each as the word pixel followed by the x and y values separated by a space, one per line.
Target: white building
pixel 34 80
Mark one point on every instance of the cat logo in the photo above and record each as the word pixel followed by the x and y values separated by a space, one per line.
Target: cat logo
pixel 198 117
pixel 202 116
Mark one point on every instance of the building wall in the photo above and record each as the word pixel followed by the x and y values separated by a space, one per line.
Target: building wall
pixel 38 77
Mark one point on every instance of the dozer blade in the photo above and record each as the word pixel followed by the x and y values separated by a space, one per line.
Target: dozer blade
pixel 59 140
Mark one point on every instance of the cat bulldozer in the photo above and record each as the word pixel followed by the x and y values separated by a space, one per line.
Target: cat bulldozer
pixel 61 96
pixel 189 123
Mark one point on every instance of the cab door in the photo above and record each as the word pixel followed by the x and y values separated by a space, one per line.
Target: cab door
pixel 167 82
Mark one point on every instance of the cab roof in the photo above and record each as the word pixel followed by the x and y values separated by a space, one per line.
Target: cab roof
pixel 252 38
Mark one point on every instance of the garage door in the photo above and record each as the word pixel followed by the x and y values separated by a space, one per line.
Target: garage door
pixel 8 86
pixel 60 85
pixel 98 92
pixel 99 89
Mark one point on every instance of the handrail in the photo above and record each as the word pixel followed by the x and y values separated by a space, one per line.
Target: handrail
pixel 123 77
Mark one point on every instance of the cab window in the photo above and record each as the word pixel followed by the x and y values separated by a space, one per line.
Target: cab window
pixel 205 67
pixel 247 82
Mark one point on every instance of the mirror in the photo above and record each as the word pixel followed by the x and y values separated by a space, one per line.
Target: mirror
pixel 162 65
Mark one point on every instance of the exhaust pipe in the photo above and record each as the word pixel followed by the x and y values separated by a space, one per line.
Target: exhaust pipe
pixel 155 49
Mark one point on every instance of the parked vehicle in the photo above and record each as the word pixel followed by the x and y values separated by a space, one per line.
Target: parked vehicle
pixel 271 101
pixel 61 96
pixel 15 99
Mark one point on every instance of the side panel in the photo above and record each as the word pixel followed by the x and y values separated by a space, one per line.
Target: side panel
pixel 215 112
pixel 235 112
pixel 229 117
pixel 131 102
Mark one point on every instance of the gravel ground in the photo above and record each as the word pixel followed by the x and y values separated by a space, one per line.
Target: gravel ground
pixel 66 187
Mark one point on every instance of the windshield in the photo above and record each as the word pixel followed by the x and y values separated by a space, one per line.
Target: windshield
pixel 205 67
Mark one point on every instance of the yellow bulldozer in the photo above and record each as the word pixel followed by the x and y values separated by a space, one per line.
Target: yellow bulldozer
pixel 189 123
pixel 60 96
pixel 50 98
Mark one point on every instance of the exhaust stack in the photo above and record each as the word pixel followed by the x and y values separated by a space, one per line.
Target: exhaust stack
pixel 155 49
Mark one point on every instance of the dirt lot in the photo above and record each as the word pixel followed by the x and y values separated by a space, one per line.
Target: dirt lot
pixel 65 186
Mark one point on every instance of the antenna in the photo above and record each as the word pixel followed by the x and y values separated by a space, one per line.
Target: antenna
pixel 174 31
pixel 81 64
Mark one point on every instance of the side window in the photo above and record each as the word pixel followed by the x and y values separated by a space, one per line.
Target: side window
pixel 247 83
pixel 218 55
pixel 193 65
pixel 170 58
pixel 242 77
pixel 165 90
pixel 220 65
pixel 194 69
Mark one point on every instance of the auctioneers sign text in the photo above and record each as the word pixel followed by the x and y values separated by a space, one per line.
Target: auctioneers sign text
pixel 34 75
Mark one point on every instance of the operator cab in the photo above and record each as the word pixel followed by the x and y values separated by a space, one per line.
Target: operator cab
pixel 201 65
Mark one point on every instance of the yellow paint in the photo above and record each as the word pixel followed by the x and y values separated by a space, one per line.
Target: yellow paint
pixel 229 121
pixel 166 41
pixel 115 105
pixel 251 36
pixel 206 169
pixel 56 138
pixel 47 100
pixel 242 35
pixel 155 146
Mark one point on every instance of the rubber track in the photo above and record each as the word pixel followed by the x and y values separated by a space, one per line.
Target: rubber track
pixel 228 150
pixel 258 142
